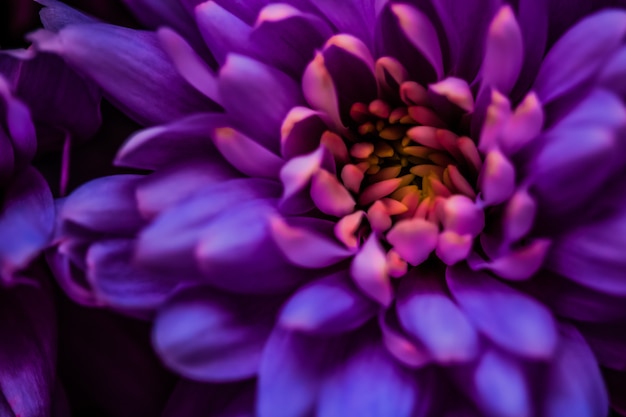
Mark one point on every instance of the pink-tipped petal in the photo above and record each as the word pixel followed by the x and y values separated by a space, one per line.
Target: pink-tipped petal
pixel 369 271
pixel 414 239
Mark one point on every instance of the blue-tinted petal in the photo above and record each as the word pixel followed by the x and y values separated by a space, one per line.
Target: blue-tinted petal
pixel 511 319
pixel 211 336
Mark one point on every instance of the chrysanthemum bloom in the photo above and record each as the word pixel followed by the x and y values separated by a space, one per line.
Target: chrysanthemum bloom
pixel 391 208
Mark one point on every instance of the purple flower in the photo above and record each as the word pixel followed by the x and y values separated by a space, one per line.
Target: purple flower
pixel 375 208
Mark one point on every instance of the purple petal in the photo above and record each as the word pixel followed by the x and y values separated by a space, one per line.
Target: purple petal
pixel 287 38
pixel 26 221
pixel 611 76
pixel 592 255
pixel 105 205
pixel 169 242
pixel 370 272
pixel 409 352
pixel 301 132
pixel 130 67
pixel 188 64
pixel 57 15
pixel 162 146
pixel 501 386
pixel 591 127
pixel 520 263
pixel 296 177
pixel 575 385
pixel 167 187
pixel 57 97
pixel 158 13
pixel 391 389
pixel 19 125
pixel 291 369
pixel 532 16
pixel 523 126
pixel 121 284
pixel 28 354
pixel 354 17
pixel 577 55
pixel 244 232
pixel 304 244
pixel 327 306
pixel 210 336
pixel 212 18
pixel 495 308
pixel 504 52
pixel 351 68
pixel 246 155
pixel 417 28
pixel 258 97
pixel 466 25
pixel 428 314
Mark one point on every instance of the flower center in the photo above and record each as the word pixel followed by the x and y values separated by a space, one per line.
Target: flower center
pixel 408 154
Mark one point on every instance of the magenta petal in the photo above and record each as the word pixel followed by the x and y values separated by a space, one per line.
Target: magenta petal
pixel 319 90
pixel 414 239
pixel 189 65
pixel 391 388
pixel 327 306
pixel 130 67
pixel 258 97
pixel 210 336
pixel 577 55
pixel 504 52
pixel 212 18
pixel 575 385
pixel 304 245
pixel 246 155
pixel 105 205
pixel 370 272
pixel 495 308
pixel 162 146
pixel 519 216
pixel 428 314
pixel 497 179
pixel 330 196
pixel 26 221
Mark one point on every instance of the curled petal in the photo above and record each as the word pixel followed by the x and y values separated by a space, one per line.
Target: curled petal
pixel 414 239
